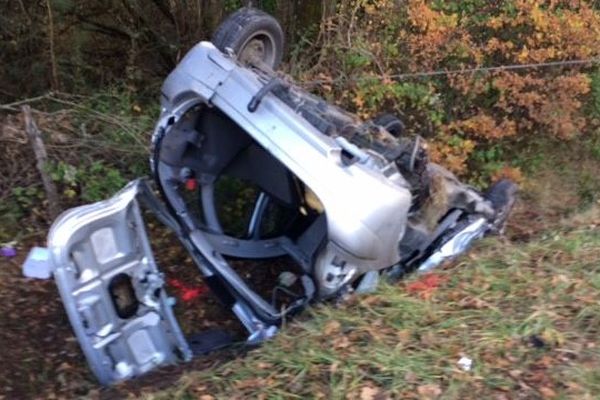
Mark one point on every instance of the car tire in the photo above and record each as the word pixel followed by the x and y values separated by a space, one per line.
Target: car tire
pixel 390 123
pixel 252 35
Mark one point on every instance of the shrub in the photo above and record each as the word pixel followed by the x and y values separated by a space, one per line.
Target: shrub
pixel 368 42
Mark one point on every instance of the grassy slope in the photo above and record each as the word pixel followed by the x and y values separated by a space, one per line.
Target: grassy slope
pixel 527 314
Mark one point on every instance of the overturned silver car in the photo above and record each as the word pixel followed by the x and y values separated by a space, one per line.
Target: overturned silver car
pixel 349 201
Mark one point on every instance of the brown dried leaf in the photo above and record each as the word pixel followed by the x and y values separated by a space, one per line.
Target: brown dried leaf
pixel 547 393
pixel 430 391
pixel 410 377
pixel 331 327
pixel 334 367
pixel 264 365
pixel 341 342
pixel 403 335
pixel 428 338
pixel 515 373
pixel 368 393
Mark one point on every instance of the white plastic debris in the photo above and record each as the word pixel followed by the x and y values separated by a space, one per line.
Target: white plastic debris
pixel 369 283
pixel 38 265
pixel 123 369
pixel 465 363
pixel 287 278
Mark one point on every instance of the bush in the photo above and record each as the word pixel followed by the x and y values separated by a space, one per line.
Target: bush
pixel 368 42
pixel 95 145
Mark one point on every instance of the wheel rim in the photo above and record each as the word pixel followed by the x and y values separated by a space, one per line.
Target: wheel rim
pixel 258 47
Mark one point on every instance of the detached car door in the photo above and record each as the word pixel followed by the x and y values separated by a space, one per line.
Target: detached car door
pixel 112 289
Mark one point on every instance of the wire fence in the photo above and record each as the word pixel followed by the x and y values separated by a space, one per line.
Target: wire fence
pixel 426 74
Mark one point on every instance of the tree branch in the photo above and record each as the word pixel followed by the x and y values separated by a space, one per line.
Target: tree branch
pixel 41 157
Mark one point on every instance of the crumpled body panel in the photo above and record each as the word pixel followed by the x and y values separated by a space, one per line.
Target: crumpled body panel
pixel 113 290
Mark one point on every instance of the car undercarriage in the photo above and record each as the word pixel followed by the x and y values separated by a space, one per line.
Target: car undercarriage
pixel 248 165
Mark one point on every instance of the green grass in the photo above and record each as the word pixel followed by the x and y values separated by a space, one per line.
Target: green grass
pixel 397 343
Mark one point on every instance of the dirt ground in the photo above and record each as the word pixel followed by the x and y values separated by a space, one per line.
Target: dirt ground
pixel 45 360
pixel 41 356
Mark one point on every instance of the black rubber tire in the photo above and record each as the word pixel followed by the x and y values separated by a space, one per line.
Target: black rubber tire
pixel 249 25
pixel 391 123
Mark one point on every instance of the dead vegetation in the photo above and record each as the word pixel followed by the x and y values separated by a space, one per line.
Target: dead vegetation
pixel 524 309
pixel 526 314
pixel 94 145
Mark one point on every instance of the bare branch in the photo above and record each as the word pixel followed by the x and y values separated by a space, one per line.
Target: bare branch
pixel 41 157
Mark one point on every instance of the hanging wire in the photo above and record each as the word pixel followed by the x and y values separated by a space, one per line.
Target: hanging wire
pixel 396 77
pixel 409 75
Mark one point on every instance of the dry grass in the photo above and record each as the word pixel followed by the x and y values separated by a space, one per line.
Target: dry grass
pixel 525 310
pixel 527 314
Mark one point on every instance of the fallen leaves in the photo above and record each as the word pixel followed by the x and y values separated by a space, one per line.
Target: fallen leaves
pixel 341 342
pixel 429 339
pixel 253 383
pixel 384 346
pixel 403 335
pixel 474 303
pixel 429 391
pixel 331 327
pixel 368 393
pixel 264 365
pixel 547 393
pixel 200 393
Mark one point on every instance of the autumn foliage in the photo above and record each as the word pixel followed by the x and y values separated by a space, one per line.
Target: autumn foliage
pixel 368 43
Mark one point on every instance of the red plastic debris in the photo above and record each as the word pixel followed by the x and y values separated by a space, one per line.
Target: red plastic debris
pixel 191 184
pixel 185 292
pixel 426 285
